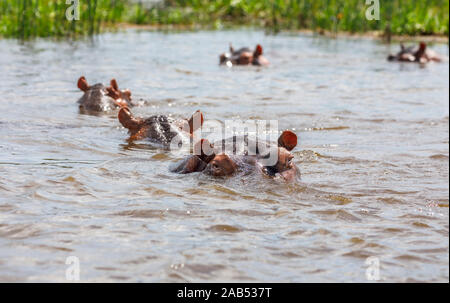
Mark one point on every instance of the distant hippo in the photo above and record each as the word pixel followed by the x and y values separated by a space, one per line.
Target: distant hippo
pixel 99 98
pixel 244 56
pixel 222 164
pixel 421 54
pixel 159 128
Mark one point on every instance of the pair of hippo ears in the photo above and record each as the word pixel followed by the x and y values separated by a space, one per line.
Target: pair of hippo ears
pixel 422 46
pixel 84 86
pixel 113 89
pixel 114 92
pixel 258 50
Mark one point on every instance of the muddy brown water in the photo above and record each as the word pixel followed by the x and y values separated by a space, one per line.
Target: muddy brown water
pixel 373 152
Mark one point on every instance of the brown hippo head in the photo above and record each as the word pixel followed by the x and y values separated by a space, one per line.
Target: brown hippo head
pixel 244 56
pixel 224 165
pixel 160 128
pixel 421 54
pixel 221 164
pixel 99 98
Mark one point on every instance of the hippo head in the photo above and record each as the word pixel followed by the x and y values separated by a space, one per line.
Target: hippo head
pixel 244 56
pixel 158 127
pixel 225 165
pixel 95 92
pixel 409 54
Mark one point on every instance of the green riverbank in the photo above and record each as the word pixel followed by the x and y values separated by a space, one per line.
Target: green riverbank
pixel 47 18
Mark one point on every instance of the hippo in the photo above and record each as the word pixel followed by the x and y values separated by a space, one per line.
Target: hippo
pixel 421 54
pixel 220 164
pixel 244 56
pixel 159 129
pixel 99 98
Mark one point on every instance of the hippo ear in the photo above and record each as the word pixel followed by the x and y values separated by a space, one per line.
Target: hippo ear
pixel 231 48
pixel 115 94
pixel 82 84
pixel 258 51
pixel 422 46
pixel 287 140
pixel 127 119
pixel 114 85
pixel 127 93
pixel 402 46
pixel 196 121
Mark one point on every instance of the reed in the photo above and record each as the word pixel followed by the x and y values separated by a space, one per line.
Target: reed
pixel 30 18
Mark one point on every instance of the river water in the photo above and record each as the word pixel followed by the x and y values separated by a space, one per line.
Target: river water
pixel 373 151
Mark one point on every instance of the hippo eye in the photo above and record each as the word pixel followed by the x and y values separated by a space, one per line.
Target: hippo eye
pixel 215 166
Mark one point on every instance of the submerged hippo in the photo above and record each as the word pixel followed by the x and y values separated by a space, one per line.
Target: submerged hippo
pixel 159 128
pixel 244 56
pixel 420 54
pixel 99 98
pixel 214 163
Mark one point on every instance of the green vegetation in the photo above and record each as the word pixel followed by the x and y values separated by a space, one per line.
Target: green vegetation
pixel 42 18
pixel 31 18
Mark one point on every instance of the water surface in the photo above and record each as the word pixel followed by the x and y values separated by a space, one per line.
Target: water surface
pixel 373 151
